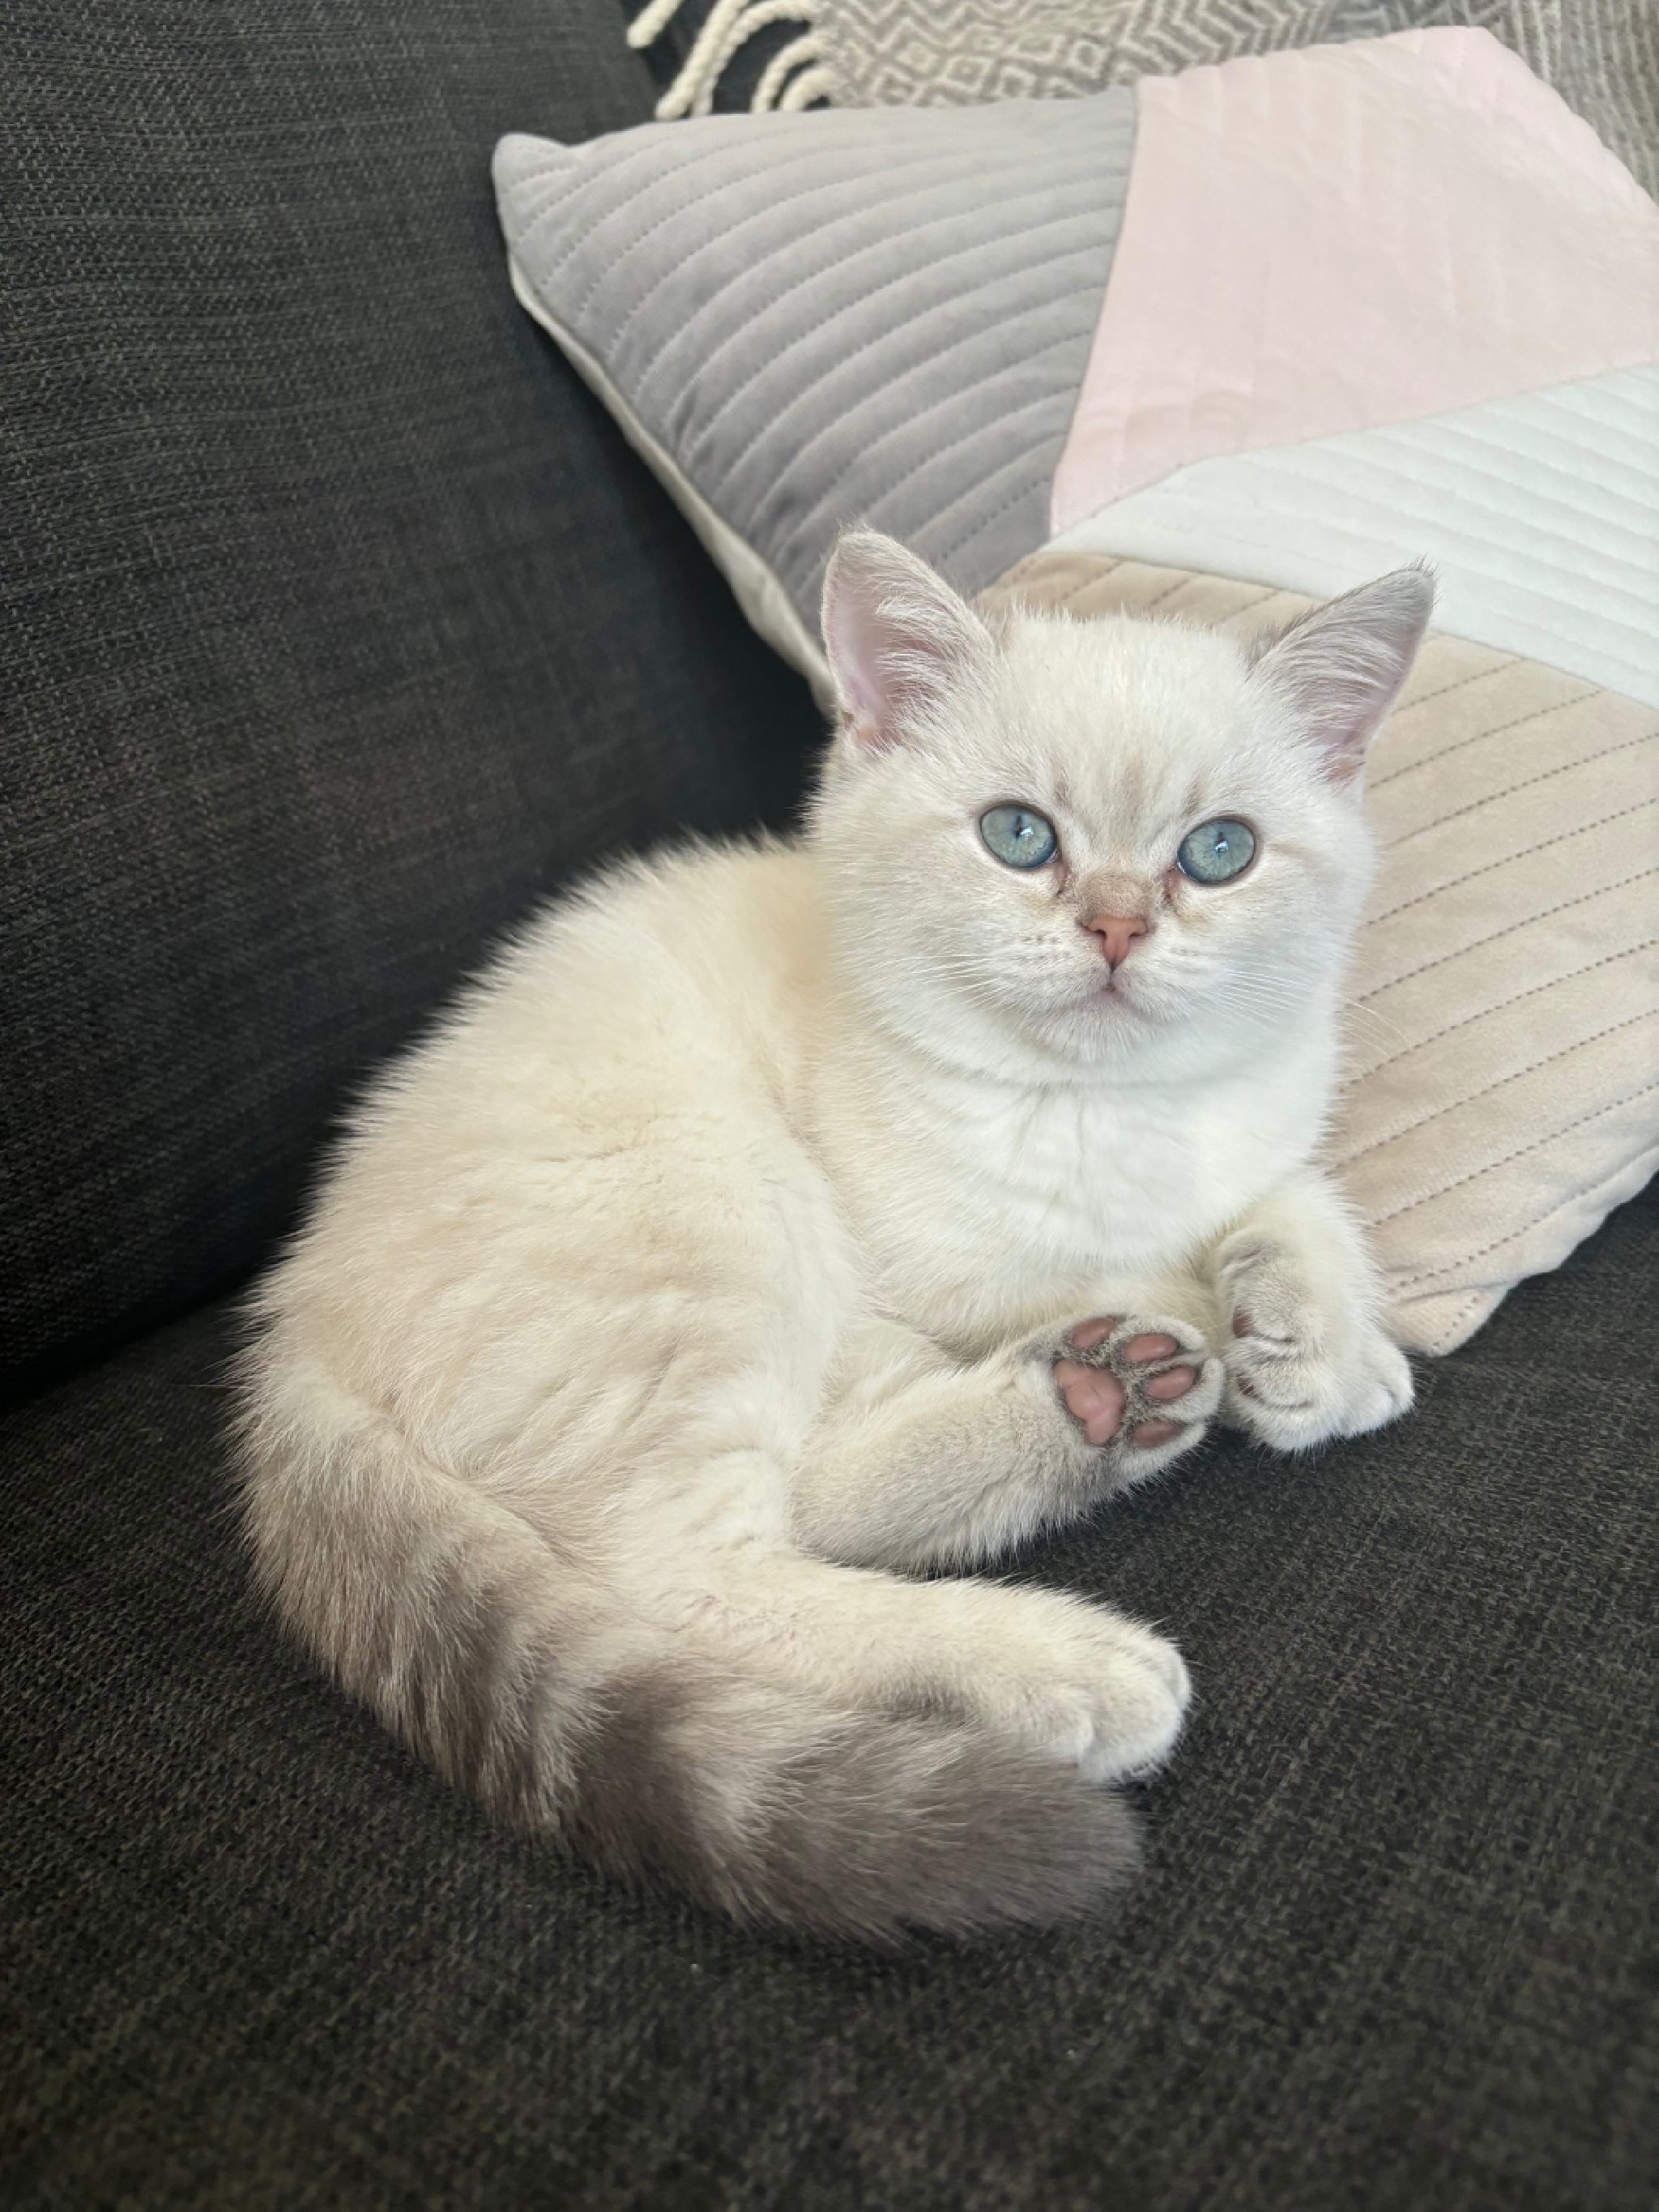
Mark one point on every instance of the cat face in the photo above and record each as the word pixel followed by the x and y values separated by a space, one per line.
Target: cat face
pixel 1121 844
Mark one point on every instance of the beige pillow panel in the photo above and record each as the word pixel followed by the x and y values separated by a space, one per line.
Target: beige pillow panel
pixel 1503 1041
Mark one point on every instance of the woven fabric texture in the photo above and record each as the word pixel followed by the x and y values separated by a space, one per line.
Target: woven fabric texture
pixel 313 582
pixel 1601 55
pixel 1503 1026
pixel 1388 1952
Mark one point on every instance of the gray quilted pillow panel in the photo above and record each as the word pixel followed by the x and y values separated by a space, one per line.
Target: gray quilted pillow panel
pixel 851 316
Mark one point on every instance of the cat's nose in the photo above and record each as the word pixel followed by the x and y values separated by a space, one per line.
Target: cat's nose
pixel 1115 933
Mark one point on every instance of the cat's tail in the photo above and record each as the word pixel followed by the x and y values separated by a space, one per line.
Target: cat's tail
pixel 519 1673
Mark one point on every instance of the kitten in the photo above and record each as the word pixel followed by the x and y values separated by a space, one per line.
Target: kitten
pixel 774 1217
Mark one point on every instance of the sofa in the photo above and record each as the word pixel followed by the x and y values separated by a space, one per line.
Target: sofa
pixel 341 626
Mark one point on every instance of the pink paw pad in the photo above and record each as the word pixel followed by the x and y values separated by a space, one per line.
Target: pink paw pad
pixel 1105 1393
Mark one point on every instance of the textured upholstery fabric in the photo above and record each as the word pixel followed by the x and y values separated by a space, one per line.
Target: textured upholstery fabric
pixel 1601 55
pixel 339 621
pixel 1389 1951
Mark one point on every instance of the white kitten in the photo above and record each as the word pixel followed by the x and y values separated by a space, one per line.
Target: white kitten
pixel 772 1217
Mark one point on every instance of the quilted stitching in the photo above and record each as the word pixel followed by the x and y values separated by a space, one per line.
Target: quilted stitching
pixel 1539 513
pixel 881 317
pixel 898 332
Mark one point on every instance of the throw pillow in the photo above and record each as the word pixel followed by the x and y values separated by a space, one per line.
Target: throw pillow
pixel 1203 345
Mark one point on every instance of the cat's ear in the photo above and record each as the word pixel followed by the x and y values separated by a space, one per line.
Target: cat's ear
pixel 1337 670
pixel 897 636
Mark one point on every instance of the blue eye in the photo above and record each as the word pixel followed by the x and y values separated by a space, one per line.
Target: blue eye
pixel 1018 836
pixel 1216 851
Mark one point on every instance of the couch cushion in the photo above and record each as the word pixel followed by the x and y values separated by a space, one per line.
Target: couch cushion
pixel 339 621
pixel 976 327
pixel 1388 1950
pixel 881 316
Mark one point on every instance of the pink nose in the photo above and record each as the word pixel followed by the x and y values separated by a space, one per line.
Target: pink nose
pixel 1117 934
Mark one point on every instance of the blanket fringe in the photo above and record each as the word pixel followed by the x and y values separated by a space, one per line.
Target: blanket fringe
pixel 794 77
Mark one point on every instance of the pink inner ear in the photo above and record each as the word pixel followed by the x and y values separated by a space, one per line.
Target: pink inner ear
pixel 853 636
pixel 895 633
pixel 1348 737
pixel 1339 669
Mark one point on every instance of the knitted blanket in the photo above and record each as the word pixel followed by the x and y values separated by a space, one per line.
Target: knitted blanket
pixel 1601 55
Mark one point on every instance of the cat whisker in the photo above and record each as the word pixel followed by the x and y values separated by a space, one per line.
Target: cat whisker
pixel 1356 1015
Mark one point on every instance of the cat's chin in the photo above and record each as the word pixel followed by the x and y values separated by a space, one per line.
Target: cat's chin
pixel 1112 990
pixel 1115 1005
pixel 1103 1026
pixel 1131 1033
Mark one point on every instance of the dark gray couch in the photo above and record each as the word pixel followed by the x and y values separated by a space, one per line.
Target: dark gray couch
pixel 339 624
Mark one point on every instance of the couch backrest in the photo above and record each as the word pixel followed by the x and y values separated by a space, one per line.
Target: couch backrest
pixel 339 621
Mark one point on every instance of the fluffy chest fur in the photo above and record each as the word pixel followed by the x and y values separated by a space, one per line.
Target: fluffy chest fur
pixel 983 1207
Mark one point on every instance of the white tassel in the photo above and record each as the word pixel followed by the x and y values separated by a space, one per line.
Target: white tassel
pixel 755 17
pixel 731 24
pixel 699 69
pixel 652 22
pixel 780 67
pixel 812 84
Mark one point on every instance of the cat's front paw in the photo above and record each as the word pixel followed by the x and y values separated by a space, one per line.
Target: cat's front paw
pixel 1300 1371
pixel 1141 1388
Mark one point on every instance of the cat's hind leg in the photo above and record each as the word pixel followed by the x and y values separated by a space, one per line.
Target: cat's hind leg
pixel 669 1719
pixel 919 1459
pixel 1078 1683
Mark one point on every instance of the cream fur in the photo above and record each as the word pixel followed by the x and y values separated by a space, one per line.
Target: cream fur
pixel 712 1260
